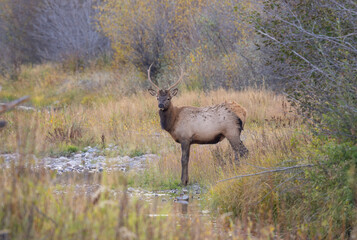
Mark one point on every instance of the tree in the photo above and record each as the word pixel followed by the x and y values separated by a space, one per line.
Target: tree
pixel 67 29
pixel 15 39
pixel 209 37
pixel 145 32
pixel 312 47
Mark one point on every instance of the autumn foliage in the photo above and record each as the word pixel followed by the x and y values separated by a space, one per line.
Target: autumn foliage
pixel 210 38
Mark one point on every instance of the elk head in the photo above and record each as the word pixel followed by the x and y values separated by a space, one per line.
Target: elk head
pixel 164 95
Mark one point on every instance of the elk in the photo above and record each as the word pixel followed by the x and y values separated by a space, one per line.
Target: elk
pixel 205 125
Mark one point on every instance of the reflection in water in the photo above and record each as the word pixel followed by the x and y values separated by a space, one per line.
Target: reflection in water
pixel 165 203
pixel 184 208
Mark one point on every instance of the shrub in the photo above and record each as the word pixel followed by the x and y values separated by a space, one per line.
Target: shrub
pixel 59 39
pixel 310 45
pixel 332 190
pixel 212 39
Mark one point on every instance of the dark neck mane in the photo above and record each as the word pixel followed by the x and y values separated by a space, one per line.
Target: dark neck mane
pixel 167 118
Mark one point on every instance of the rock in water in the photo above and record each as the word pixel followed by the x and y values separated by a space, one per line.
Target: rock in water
pixel 183 198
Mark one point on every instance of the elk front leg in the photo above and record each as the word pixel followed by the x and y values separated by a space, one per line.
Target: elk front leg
pixel 185 148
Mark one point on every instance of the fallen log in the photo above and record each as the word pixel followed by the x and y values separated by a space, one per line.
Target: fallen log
pixel 8 106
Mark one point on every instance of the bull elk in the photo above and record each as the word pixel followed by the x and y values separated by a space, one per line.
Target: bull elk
pixel 205 125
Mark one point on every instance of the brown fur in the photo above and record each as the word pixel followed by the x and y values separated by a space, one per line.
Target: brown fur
pixel 240 111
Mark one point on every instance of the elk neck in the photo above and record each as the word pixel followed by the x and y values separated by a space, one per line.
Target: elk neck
pixel 168 118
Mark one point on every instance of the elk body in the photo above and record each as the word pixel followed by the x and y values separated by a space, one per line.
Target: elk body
pixel 192 125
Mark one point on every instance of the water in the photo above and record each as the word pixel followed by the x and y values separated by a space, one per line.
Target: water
pixel 82 173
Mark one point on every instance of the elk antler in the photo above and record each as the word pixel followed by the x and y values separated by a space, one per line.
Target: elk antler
pixel 150 78
pixel 178 81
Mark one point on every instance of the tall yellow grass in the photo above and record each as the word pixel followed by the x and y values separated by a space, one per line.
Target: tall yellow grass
pixel 132 123
pixel 31 207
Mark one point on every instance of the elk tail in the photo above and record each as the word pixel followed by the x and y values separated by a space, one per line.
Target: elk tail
pixel 240 111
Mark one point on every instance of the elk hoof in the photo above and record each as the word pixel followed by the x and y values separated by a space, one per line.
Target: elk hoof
pixel 184 182
pixel 243 151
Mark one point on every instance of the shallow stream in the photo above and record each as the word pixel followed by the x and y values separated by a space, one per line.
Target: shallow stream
pixel 83 171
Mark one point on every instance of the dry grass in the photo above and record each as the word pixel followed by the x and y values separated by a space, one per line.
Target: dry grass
pixel 35 205
pixel 132 123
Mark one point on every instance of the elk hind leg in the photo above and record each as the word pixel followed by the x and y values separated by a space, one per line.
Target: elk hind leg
pixel 243 151
pixel 234 140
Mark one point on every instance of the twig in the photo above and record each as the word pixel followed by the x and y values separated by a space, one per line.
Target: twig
pixel 300 56
pixel 263 168
pixel 276 187
pixel 270 171
pixel 45 216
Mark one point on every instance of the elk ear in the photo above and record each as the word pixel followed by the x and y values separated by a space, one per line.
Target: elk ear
pixel 152 92
pixel 174 92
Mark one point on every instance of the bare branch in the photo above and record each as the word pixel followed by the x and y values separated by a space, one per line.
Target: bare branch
pixel 178 81
pixel 270 171
pixel 279 185
pixel 58 37
pixel 45 216
pixel 298 55
pixel 349 46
